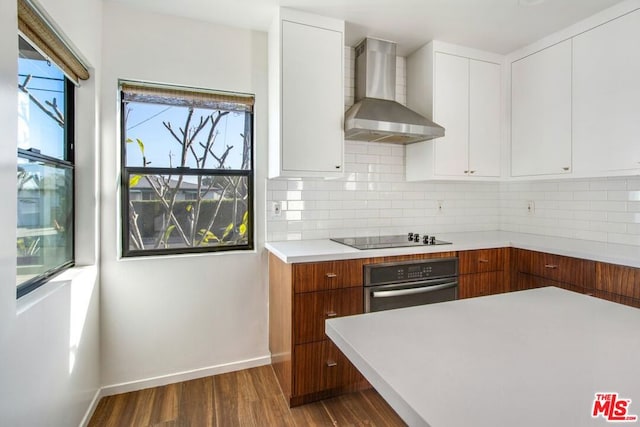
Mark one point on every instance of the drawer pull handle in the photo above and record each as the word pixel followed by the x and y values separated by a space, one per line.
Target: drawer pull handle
pixel 332 314
pixel 331 275
pixel 483 261
pixel 552 266
pixel 331 363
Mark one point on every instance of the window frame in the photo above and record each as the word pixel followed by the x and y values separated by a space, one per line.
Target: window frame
pixel 127 171
pixel 67 163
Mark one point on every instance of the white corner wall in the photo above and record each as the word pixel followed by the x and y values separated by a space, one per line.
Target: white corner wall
pixel 49 340
pixel 170 318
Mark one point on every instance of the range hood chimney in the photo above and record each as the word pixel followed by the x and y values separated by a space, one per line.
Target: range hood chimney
pixel 376 116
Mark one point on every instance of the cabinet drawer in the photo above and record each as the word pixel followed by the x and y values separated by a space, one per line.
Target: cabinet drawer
pixel 481 284
pixel 321 366
pixel 311 309
pixel 618 279
pixel 481 261
pixel 620 299
pixel 527 281
pixel 320 276
pixel 558 268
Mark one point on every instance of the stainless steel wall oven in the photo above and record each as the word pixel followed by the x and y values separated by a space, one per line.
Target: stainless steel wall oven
pixel 409 283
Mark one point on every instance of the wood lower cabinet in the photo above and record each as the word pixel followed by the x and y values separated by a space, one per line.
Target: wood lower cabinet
pixel 533 269
pixel 318 276
pixel 483 272
pixel 311 309
pixel 301 297
pixel 523 281
pixel 618 283
pixel 321 367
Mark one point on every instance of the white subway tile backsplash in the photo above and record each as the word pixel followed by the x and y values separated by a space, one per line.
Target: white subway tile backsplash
pixel 633 184
pixel 609 227
pixel 591 235
pixel 601 209
pixel 632 196
pixel 293 216
pixel 624 239
pixel 571 185
pixel 590 195
pixel 608 206
pixel 608 184
pixel 626 217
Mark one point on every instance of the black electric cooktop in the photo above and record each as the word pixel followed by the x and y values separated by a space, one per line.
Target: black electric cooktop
pixel 398 241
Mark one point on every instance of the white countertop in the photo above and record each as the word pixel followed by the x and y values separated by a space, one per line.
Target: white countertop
pixel 295 251
pixel 530 358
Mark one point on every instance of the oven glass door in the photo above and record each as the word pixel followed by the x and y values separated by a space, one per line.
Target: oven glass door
pixel 398 295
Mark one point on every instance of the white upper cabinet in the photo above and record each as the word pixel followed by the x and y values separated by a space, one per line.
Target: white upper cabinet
pixel 484 118
pixel 541 112
pixel 451 110
pixel 306 96
pixel 606 96
pixel 459 89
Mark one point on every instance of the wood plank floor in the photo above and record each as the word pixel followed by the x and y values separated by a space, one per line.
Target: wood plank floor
pixel 250 397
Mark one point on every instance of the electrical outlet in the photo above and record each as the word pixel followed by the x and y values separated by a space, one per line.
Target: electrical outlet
pixel 531 207
pixel 276 209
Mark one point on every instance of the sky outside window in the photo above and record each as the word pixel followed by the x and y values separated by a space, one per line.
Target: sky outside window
pixel 145 121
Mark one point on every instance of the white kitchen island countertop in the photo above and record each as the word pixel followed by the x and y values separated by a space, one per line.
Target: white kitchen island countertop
pixel 523 359
pixel 295 251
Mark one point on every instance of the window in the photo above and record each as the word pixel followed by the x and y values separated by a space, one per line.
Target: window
pixel 187 170
pixel 45 169
pixel 47 73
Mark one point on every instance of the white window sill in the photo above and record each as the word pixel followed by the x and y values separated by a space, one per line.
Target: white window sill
pixel 80 275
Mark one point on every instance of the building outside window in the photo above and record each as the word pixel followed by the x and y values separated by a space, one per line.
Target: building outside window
pixel 45 169
pixel 187 170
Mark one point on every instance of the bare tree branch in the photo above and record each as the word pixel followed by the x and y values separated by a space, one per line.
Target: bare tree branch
pixel 134 229
pixel 215 214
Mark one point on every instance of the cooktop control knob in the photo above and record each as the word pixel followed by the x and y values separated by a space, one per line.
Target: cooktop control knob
pixel 425 239
pixel 416 237
pixel 433 240
pixel 410 236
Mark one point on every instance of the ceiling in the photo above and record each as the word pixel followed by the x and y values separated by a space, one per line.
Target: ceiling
pixel 499 26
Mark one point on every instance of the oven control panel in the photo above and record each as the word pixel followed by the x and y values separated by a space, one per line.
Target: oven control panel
pixel 375 274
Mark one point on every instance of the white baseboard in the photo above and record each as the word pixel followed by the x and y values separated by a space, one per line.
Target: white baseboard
pixel 170 379
pixel 92 408
pixel 183 376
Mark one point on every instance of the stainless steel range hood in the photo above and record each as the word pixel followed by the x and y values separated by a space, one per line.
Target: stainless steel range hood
pixel 376 116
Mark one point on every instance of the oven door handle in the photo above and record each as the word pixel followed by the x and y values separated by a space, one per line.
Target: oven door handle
pixel 410 291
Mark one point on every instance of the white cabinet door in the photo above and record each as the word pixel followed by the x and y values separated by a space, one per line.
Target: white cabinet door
pixel 451 110
pixel 606 91
pixel 460 89
pixel 312 99
pixel 541 112
pixel 484 119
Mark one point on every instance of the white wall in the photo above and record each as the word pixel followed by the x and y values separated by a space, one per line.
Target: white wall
pixel 49 340
pixel 166 315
